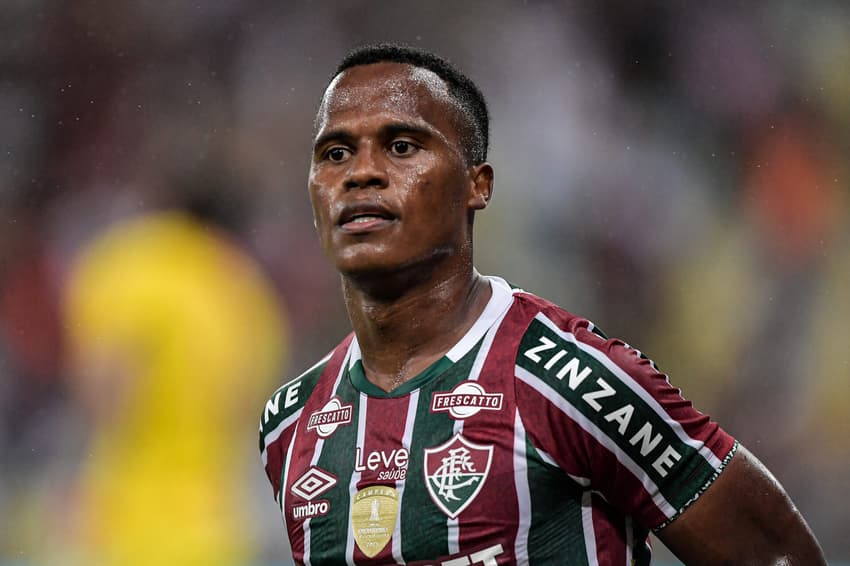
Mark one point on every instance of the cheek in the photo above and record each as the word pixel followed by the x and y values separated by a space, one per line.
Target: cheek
pixel 436 182
pixel 319 194
pixel 320 202
pixel 444 195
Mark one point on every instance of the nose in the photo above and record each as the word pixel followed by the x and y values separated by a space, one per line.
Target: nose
pixel 366 169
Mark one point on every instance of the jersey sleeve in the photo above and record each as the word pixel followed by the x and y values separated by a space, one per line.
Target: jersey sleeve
pixel 277 426
pixel 603 413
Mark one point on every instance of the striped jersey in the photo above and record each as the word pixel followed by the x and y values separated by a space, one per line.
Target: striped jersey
pixel 534 440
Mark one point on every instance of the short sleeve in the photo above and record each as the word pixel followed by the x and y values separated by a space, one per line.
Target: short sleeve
pixel 605 414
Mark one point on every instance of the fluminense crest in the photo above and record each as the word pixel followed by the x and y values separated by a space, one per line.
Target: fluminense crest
pixel 455 472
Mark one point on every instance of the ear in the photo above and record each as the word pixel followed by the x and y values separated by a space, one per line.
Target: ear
pixel 481 188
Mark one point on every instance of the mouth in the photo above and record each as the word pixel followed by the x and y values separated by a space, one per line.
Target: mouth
pixel 364 217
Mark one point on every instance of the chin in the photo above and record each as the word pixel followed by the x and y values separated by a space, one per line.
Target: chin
pixel 365 265
pixel 387 274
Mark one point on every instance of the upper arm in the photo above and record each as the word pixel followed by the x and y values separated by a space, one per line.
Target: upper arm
pixel 277 425
pixel 604 412
pixel 744 517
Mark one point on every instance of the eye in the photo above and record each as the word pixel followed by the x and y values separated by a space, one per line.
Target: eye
pixel 402 147
pixel 337 154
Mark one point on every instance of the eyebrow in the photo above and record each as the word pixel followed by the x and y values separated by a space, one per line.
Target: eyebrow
pixel 387 131
pixel 332 135
pixel 395 128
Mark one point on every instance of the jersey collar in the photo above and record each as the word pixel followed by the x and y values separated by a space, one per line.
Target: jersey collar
pixel 500 300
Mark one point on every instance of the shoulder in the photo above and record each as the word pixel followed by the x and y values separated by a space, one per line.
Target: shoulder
pixel 551 332
pixel 538 315
pixel 567 357
pixel 525 306
pixel 615 393
pixel 562 355
pixel 613 389
pixel 287 401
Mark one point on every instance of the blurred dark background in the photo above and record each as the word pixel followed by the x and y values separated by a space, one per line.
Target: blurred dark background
pixel 675 172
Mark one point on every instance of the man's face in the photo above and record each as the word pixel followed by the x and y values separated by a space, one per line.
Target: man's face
pixel 389 183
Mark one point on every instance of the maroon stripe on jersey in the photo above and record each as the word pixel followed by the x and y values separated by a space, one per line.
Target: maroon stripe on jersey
pixel 321 394
pixel 609 529
pixel 293 528
pixel 275 459
pixel 389 415
pixel 554 432
pixel 382 460
pixel 487 428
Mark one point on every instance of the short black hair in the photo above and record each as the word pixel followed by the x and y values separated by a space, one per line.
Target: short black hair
pixel 468 96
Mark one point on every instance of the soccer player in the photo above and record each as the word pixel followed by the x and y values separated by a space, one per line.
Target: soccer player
pixel 165 319
pixel 466 421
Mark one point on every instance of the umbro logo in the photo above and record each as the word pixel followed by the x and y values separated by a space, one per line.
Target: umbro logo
pixel 313 483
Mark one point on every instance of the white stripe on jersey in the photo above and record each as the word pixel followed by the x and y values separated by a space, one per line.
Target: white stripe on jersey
pixel 355 477
pixel 275 434
pixel 587 528
pixel 546 457
pixel 487 343
pixel 630 540
pixel 572 412
pixel 354 353
pixel 503 299
pixel 286 473
pixel 550 460
pixel 406 437
pixel 523 492
pixel 497 307
pixel 697 445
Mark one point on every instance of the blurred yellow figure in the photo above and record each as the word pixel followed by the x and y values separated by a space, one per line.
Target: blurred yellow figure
pixel 175 338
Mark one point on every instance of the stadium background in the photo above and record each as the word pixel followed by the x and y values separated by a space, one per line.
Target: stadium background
pixel 677 173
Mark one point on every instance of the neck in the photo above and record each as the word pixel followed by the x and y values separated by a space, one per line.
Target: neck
pixel 403 325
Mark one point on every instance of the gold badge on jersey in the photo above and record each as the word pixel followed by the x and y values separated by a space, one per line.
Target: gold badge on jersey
pixel 373 517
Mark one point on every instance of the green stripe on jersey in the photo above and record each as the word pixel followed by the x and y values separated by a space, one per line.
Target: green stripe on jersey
pixel 424 529
pixel 555 513
pixel 617 411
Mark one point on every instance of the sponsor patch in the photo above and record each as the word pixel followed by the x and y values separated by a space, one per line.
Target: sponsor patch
pixel 455 472
pixel 374 513
pixel 466 400
pixel 326 420
pixel 388 464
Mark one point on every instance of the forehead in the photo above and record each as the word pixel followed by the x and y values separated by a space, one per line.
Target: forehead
pixel 388 89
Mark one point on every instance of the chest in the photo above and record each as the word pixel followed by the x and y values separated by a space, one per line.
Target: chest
pixel 431 473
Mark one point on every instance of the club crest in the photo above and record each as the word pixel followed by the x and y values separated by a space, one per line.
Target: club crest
pixel 455 472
